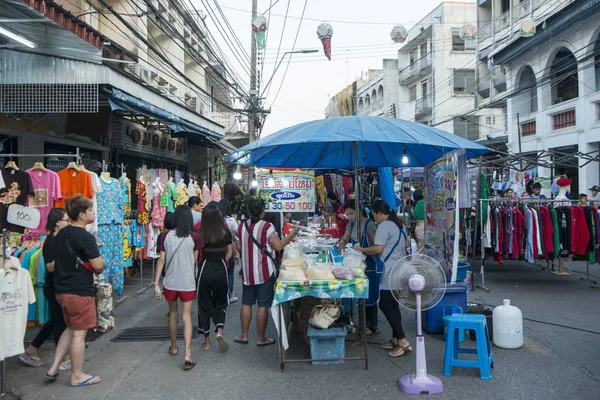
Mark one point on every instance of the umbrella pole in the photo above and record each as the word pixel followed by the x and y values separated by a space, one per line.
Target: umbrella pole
pixel 362 336
pixel 357 193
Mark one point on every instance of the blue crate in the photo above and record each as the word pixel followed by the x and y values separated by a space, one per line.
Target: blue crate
pixel 327 343
pixel 433 321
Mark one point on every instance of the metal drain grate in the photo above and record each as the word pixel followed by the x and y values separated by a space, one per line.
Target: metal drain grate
pixel 150 334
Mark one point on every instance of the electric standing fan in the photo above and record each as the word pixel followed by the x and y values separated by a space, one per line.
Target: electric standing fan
pixel 418 283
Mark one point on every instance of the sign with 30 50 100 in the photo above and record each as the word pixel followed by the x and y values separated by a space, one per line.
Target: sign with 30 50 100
pixel 287 191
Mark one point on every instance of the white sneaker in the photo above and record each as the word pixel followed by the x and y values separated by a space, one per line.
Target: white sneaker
pixel 65 366
pixel 233 299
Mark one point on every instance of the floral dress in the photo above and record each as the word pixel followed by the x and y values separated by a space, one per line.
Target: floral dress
pixel 143 208
pixel 125 195
pixel 110 231
pixel 158 210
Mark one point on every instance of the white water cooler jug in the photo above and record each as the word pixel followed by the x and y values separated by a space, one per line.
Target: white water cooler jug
pixel 508 326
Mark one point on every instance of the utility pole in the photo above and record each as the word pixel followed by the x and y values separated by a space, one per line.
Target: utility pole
pixel 253 106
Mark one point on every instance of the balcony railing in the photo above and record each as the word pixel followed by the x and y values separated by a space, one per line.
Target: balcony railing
pixel 502 22
pixel 423 105
pixel 425 61
pixel 485 32
pixel 564 120
pixel 528 128
pixel 416 67
pixel 521 10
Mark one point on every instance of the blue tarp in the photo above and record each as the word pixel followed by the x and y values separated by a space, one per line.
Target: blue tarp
pixel 386 186
pixel 329 144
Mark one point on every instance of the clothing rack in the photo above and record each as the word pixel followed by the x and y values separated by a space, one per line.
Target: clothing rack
pixel 562 263
pixel 11 393
pixel 77 155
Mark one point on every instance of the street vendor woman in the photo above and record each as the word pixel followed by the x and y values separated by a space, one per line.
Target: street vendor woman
pixel 389 247
pixel 368 229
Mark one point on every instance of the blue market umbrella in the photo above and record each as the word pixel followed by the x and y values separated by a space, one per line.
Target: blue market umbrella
pixel 350 143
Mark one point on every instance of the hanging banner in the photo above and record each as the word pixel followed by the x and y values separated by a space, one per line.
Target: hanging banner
pixel 287 191
pixel 440 209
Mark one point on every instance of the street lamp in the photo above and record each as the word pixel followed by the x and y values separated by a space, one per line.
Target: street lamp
pixel 306 51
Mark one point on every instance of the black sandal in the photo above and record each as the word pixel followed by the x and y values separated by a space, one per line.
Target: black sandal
pixel 189 365
pixel 173 353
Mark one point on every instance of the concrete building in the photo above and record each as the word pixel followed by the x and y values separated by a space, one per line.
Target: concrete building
pixel 547 84
pixel 127 82
pixel 437 74
pixel 378 93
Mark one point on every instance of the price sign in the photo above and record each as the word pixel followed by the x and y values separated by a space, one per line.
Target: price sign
pixel 23 216
pixel 288 191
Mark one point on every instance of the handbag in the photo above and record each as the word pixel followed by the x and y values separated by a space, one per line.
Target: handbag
pixel 323 316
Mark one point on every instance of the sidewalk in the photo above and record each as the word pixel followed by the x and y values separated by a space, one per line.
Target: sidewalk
pixel 555 363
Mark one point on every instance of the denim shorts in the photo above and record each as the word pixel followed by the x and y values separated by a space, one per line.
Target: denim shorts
pixel 259 294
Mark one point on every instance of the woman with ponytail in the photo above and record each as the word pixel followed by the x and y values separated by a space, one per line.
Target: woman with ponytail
pixel 389 247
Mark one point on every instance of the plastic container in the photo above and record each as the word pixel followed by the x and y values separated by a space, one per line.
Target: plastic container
pixel 508 326
pixel 461 272
pixel 433 318
pixel 473 308
pixel 327 343
pixel 448 311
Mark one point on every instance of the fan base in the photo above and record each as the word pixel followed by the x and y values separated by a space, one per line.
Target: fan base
pixel 429 385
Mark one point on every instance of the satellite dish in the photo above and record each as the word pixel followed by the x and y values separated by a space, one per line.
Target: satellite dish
pixel 418 283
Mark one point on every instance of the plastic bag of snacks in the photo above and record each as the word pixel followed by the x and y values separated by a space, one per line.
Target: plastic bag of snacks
pixel 342 273
pixel 356 262
pixel 320 272
pixel 292 274
pixel 293 257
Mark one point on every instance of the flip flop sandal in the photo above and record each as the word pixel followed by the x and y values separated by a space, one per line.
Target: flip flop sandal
pixel 389 345
pixel 223 345
pixel 268 343
pixel 189 365
pixel 240 341
pixel 173 353
pixel 86 382
pixel 205 346
pixel 404 351
pixel 32 361
pixel 51 378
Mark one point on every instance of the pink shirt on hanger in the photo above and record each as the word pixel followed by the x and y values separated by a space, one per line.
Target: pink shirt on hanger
pixel 46 188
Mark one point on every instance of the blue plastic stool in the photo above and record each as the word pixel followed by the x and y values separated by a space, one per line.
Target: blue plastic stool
pixel 484 360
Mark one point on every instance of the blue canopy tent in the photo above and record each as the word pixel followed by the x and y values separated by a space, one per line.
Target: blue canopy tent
pixel 353 143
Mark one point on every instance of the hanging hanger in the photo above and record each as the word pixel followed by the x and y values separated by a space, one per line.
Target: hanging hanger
pixel 11 164
pixel 73 165
pixel 39 166
pixel 7 263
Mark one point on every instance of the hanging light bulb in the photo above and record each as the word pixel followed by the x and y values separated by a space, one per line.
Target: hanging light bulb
pixel 404 157
pixel 254 183
pixel 237 175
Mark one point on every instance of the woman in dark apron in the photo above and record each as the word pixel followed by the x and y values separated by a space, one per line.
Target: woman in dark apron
pixel 389 247
pixel 372 271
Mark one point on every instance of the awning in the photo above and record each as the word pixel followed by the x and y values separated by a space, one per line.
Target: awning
pixel 121 101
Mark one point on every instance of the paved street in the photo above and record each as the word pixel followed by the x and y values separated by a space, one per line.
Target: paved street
pixel 555 363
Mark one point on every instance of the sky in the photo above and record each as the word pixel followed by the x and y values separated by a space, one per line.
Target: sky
pixel 361 40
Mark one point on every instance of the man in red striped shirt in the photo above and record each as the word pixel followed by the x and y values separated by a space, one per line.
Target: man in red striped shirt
pixel 258 241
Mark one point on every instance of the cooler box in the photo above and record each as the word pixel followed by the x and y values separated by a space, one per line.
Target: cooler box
pixel 327 343
pixel 433 321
